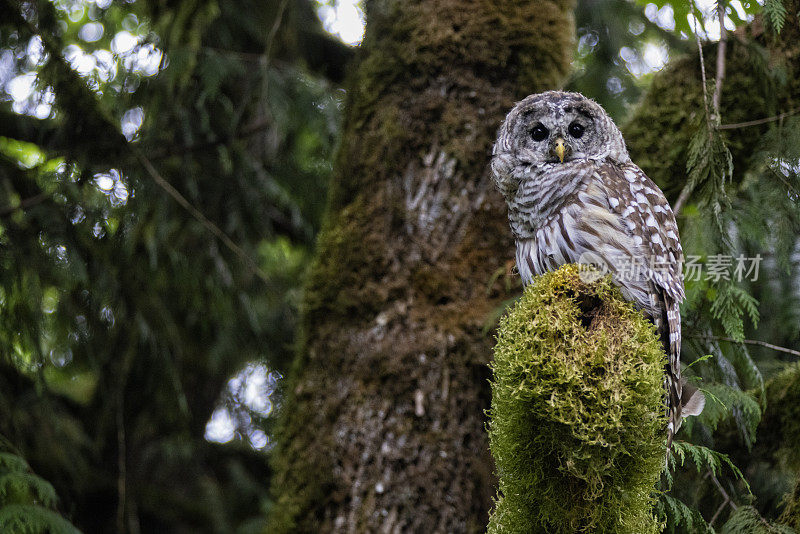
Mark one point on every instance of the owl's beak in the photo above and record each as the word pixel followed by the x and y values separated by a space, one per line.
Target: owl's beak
pixel 560 149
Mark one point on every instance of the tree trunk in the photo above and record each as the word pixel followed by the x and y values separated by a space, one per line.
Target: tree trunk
pixel 576 426
pixel 383 421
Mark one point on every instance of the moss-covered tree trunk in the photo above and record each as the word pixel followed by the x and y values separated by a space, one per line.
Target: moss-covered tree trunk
pixel 577 422
pixel 383 422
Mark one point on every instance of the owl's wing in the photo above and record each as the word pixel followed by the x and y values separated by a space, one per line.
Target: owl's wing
pixel 644 209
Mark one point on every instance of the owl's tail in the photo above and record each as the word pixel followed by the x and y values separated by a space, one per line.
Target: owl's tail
pixel 683 399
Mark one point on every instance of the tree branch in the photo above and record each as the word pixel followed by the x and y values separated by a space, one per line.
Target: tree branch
pixel 24 204
pixel 725 495
pixel 756 122
pixel 723 45
pixel 687 189
pixel 682 198
pixel 702 60
pixel 198 215
pixel 747 342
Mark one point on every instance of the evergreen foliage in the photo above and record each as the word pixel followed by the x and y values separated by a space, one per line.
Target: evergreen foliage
pixel 32 519
pixel 709 167
pixel 747 520
pixel 775 13
pixel 741 161
pixel 27 502
pixel 781 425
pixel 156 136
pixel 679 518
pixel 720 401
pixel 123 313
pixel 576 424
pixel 703 459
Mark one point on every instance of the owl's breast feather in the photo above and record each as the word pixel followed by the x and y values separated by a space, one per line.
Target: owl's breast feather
pixel 584 229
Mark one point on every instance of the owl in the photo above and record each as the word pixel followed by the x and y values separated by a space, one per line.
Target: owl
pixel 575 196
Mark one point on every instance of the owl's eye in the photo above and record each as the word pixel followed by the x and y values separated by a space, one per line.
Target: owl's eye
pixel 576 130
pixel 539 133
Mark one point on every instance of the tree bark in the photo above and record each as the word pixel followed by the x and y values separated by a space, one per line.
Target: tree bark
pixel 383 418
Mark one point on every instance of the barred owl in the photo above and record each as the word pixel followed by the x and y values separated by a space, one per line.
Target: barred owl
pixel 574 196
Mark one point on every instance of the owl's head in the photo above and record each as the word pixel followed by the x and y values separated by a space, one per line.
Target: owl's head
pixel 557 127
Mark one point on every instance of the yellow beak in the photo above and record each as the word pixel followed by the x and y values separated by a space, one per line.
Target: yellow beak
pixel 560 149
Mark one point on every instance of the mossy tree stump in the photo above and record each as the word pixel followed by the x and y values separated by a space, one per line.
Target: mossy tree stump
pixel 577 422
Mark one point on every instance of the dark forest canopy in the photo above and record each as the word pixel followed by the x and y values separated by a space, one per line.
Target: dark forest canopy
pixel 208 208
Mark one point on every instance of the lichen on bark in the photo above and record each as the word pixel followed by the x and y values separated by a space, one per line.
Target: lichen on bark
pixel 382 419
pixel 577 420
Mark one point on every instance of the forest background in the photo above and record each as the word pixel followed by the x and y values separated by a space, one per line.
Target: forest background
pixel 250 273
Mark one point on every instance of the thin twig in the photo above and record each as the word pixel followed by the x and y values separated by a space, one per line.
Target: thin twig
pixel 719 510
pixel 759 121
pixel 682 198
pixel 197 214
pixel 747 342
pixel 725 495
pixel 274 30
pixel 24 204
pixel 722 47
pixel 247 131
pixel 722 491
pixel 687 189
pixel 702 61
pixel 782 178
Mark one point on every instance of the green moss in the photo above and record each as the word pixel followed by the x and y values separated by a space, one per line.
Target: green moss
pixel 576 422
pixel 300 478
pixel 342 280
pixel 444 74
